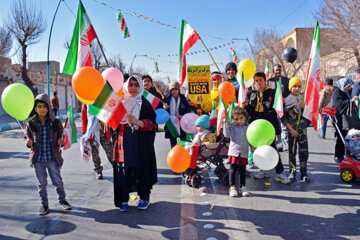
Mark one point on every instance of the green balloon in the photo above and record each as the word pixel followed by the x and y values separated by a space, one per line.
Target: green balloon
pixel 18 101
pixel 260 132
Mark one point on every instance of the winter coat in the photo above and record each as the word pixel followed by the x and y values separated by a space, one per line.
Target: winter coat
pixel 284 85
pixel 238 141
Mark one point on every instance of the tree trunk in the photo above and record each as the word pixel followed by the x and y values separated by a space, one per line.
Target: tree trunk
pixel 24 71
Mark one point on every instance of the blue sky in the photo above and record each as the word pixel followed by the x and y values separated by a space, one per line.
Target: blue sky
pixel 225 20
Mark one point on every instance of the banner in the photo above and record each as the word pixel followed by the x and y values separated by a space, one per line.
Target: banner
pixel 198 83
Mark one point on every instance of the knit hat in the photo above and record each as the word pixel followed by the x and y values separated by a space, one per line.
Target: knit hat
pixel 230 65
pixel 174 85
pixel 294 81
pixel 203 121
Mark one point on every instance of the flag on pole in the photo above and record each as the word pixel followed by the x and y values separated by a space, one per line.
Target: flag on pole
pixel 154 101
pixel 123 26
pixel 278 102
pixel 79 54
pixel 188 37
pixel 156 67
pixel 108 107
pixel 267 70
pixel 230 109
pixel 213 116
pixel 173 126
pixel 320 122
pixel 234 55
pixel 242 90
pixel 312 92
pixel 69 129
pixel 221 115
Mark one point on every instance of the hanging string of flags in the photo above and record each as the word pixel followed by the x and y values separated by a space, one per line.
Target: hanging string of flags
pixel 234 55
pixel 203 51
pixel 156 66
pixel 123 27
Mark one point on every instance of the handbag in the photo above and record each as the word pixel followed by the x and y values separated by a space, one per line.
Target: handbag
pixel 350 120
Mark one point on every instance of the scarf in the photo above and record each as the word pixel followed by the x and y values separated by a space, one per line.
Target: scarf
pixel 343 83
pixel 174 106
pixel 292 101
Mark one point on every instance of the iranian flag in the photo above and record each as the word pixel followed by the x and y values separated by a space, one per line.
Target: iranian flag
pixel 320 121
pixel 242 90
pixel 108 107
pixel 221 115
pixel 234 55
pixel 267 70
pixel 229 112
pixel 79 52
pixel 123 26
pixel 188 37
pixel 156 67
pixel 69 129
pixel 154 101
pixel 213 116
pixel 278 103
pixel 313 81
pixel 173 126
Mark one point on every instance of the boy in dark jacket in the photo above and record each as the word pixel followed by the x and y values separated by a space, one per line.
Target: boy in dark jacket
pixel 44 137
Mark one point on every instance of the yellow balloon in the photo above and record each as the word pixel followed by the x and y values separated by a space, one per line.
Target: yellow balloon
pixel 84 101
pixel 248 67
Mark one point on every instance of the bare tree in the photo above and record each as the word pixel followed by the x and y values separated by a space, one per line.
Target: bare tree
pixel 117 62
pixel 343 16
pixel 5 42
pixel 97 57
pixel 26 24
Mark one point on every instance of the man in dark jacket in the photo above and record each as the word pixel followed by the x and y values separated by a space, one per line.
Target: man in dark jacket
pixel 148 86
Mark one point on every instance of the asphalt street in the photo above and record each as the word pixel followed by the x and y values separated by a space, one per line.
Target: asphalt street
pixel 326 208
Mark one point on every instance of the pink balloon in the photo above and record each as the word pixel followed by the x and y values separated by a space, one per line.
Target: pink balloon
pixel 187 122
pixel 115 77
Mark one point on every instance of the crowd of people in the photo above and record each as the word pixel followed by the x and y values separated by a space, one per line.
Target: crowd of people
pixel 130 147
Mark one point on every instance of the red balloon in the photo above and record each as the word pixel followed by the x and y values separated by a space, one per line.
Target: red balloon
pixel 227 91
pixel 87 83
pixel 178 159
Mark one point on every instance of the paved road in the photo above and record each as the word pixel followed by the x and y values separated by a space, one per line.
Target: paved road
pixel 326 208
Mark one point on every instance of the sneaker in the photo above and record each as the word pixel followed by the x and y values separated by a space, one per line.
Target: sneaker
pixel 143 204
pixel 99 176
pixel 124 207
pixel 282 178
pixel 233 192
pixel 244 192
pixel 43 210
pixel 305 177
pixel 292 177
pixel 262 174
pixel 65 205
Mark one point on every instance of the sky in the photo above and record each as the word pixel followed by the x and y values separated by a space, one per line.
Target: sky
pixel 217 23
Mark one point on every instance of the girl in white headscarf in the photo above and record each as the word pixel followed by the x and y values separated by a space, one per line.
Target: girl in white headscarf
pixel 134 154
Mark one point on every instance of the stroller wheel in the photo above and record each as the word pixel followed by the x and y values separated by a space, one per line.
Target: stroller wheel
pixel 188 180
pixel 225 179
pixel 195 181
pixel 347 175
pixel 217 171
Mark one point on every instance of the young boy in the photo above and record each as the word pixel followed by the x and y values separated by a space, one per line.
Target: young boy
pixel 204 135
pixel 44 137
pixel 293 104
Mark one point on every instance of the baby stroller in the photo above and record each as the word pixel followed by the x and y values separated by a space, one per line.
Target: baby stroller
pixel 350 167
pixel 212 153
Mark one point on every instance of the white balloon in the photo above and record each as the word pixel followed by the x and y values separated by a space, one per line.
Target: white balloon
pixel 266 157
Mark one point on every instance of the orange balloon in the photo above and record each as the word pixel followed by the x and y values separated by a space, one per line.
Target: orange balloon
pixel 120 93
pixel 87 83
pixel 84 101
pixel 178 159
pixel 227 91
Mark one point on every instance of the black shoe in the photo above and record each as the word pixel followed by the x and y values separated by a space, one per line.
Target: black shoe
pixel 65 205
pixel 43 210
pixel 305 177
pixel 99 176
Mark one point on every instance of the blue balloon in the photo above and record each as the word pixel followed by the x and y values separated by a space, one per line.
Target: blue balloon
pixel 162 116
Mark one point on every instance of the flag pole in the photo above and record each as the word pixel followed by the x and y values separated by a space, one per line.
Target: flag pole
pixel 209 54
pixel 107 63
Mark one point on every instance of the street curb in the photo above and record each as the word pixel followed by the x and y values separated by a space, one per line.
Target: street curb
pixel 13 125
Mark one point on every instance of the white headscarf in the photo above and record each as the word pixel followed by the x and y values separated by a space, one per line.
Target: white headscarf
pixel 132 104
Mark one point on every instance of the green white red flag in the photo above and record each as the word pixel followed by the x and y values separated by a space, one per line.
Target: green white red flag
pixel 267 70
pixel 108 107
pixel 213 116
pixel 69 129
pixel 312 92
pixel 156 67
pixel 278 102
pixel 320 122
pixel 220 115
pixel 154 101
pixel 123 26
pixel 173 126
pixel 234 55
pixel 188 37
pixel 79 54
pixel 242 90
pixel 229 112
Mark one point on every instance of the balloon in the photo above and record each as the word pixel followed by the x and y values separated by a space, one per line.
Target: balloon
pixel 227 91
pixel 18 101
pixel 248 67
pixel 84 101
pixel 162 116
pixel 266 157
pixel 187 122
pixel 290 54
pixel 260 132
pixel 178 159
pixel 115 77
pixel 87 83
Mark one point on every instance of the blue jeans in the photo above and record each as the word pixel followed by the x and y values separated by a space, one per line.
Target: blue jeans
pixel 325 118
pixel 54 173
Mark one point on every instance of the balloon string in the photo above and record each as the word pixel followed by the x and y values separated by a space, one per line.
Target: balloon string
pixel 22 129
